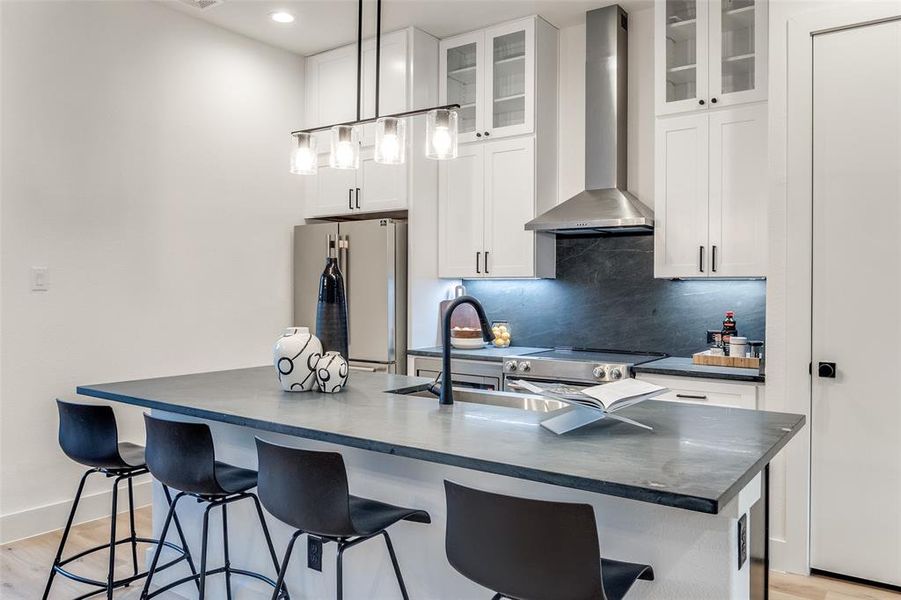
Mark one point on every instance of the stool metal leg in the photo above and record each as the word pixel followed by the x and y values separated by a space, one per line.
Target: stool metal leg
pixel 159 547
pixel 228 575
pixel 181 538
pixel 400 579
pixel 280 582
pixel 256 502
pixel 134 533
pixel 340 584
pixel 111 577
pixel 203 550
pixel 62 542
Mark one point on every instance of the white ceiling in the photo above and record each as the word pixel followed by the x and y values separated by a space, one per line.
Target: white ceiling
pixel 324 24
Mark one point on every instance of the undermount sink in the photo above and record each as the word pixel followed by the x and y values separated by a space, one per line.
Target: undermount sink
pixel 490 398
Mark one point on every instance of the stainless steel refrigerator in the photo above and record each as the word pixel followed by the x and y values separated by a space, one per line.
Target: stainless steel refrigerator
pixel 372 255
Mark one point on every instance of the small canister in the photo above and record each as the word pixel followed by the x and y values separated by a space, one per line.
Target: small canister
pixel 738 346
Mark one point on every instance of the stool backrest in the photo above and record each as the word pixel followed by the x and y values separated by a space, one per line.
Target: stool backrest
pixel 305 489
pixel 181 455
pixel 521 548
pixel 88 434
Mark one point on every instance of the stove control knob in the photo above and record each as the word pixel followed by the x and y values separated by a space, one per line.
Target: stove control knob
pixel 510 365
pixel 616 374
pixel 525 366
pixel 599 373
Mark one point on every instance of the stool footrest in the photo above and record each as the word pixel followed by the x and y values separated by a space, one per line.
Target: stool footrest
pixel 216 571
pixel 58 567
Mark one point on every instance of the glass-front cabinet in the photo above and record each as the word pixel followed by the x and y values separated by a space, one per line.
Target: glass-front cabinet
pixel 491 75
pixel 709 53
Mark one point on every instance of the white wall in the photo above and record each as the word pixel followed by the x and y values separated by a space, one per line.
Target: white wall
pixel 144 160
pixel 640 125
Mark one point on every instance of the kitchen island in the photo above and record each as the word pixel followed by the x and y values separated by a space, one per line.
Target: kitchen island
pixel 671 497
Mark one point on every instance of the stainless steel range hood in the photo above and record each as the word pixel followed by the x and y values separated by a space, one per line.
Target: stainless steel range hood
pixel 605 206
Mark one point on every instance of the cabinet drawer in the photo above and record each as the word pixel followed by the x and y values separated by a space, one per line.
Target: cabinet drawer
pixel 705 391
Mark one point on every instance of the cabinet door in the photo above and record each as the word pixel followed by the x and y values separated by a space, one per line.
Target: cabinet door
pixel 509 204
pixel 331 191
pixel 331 89
pixel 738 191
pixel 510 79
pixel 737 55
pixel 461 81
pixel 680 192
pixel 680 42
pixel 692 390
pixel 461 213
pixel 393 82
pixel 382 187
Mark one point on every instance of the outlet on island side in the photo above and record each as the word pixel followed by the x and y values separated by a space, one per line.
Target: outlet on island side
pixel 314 553
pixel 742 540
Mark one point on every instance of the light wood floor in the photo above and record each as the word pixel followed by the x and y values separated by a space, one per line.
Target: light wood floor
pixel 24 565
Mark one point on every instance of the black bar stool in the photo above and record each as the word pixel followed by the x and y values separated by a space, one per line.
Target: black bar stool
pixel 309 491
pixel 532 549
pixel 182 456
pixel 88 435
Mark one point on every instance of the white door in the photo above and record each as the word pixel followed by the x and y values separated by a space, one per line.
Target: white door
pixel 509 205
pixel 738 191
pixel 680 48
pixel 331 192
pixel 856 416
pixel 382 187
pixel 510 79
pixel 461 81
pixel 461 213
pixel 737 47
pixel 680 192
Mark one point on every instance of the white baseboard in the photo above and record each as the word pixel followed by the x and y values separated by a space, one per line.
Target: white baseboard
pixel 50 517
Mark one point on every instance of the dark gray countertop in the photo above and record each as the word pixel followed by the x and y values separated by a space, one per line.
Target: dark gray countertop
pixel 683 367
pixel 489 353
pixel 697 458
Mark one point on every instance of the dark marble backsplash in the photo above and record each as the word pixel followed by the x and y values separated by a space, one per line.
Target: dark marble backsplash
pixel 605 296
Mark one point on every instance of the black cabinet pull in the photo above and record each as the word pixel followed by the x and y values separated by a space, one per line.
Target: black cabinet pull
pixel 713 100
pixel 713 259
pixel 478 258
pixel 701 259
pixel 486 262
pixel 350 198
pixel 358 197
pixel 487 133
pixel 826 369
pixel 692 396
pixel 478 134
pixel 701 102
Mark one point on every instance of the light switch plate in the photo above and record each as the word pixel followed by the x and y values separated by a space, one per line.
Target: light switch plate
pixel 40 279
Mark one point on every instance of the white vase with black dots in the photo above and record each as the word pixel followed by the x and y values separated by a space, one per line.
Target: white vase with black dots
pixel 295 355
pixel 331 372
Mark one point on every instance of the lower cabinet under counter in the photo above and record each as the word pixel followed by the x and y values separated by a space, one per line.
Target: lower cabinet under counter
pixel 708 391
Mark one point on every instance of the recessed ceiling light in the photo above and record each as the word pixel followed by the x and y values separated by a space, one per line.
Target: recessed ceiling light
pixel 282 17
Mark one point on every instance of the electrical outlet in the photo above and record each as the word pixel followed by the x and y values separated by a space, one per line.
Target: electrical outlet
pixel 314 553
pixel 742 540
pixel 40 279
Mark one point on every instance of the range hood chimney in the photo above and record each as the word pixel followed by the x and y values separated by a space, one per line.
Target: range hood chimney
pixel 605 207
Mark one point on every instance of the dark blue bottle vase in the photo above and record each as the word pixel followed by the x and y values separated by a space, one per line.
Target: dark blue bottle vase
pixel 331 312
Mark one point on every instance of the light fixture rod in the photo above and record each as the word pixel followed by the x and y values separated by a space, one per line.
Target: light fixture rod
pixel 378 53
pixel 360 59
pixel 400 115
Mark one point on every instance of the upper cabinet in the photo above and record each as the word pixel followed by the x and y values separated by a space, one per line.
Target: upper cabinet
pixel 331 97
pixel 709 53
pixel 505 80
pixel 491 75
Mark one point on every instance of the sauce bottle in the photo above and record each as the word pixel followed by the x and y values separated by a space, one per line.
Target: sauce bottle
pixel 729 329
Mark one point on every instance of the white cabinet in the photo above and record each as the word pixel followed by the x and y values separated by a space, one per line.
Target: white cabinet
pixel 505 80
pixel 491 74
pixel 713 392
pixel 710 194
pixel 709 53
pixel 331 83
pixel 485 196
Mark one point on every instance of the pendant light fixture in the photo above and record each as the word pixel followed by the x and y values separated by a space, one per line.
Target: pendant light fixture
pixel 390 131
pixel 304 160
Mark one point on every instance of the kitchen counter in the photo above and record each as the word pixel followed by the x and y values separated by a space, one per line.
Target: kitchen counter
pixel 697 457
pixel 671 497
pixel 683 367
pixel 489 353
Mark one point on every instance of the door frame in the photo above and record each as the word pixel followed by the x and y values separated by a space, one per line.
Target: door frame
pixel 791 242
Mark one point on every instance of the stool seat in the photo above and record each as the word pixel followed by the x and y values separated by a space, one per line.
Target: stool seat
pixel 618 576
pixel 372 516
pixel 234 480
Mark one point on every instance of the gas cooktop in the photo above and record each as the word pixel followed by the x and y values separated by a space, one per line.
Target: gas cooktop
pixel 577 365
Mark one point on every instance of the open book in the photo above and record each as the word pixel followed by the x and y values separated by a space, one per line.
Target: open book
pixel 607 397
